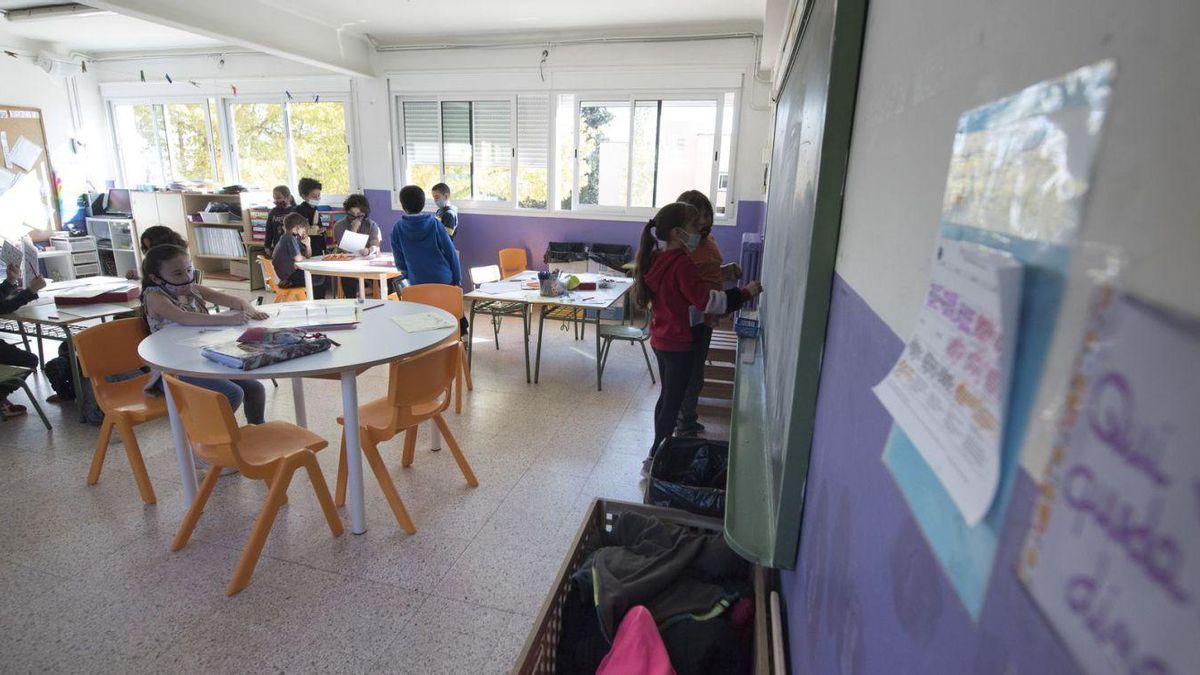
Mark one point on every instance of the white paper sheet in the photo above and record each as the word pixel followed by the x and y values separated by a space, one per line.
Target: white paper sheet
pixel 29 252
pixel 1113 557
pixel 25 153
pixel 425 321
pixel 4 149
pixel 11 255
pixel 212 337
pixel 303 315
pixel 94 310
pixel 499 287
pixel 949 390
pixel 7 178
pixel 353 242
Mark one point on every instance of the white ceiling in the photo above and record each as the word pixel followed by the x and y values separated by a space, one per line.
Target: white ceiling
pixel 93 34
pixel 406 22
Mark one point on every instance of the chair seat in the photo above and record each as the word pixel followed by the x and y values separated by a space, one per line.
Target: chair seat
pixel 265 444
pixel 378 413
pixel 622 332
pixel 129 398
pixel 12 372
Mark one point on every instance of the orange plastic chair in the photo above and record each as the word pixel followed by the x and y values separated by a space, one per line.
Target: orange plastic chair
pixel 110 349
pixel 513 261
pixel 450 299
pixel 270 452
pixel 281 294
pixel 418 390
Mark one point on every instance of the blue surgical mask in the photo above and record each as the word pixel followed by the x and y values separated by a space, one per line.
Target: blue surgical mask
pixel 313 202
pixel 693 241
pixel 441 203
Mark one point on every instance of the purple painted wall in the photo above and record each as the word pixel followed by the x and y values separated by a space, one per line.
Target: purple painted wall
pixel 867 594
pixel 483 235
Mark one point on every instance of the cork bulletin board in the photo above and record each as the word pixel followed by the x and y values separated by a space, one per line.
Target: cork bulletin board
pixel 28 195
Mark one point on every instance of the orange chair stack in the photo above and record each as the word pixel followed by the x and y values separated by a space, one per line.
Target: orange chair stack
pixel 418 390
pixel 107 350
pixel 512 261
pixel 270 452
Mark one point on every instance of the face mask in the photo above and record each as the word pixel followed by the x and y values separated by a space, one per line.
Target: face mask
pixel 313 202
pixel 176 289
pixel 441 203
pixel 693 240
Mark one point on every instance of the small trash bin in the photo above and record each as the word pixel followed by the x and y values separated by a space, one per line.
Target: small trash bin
pixel 611 256
pixel 565 252
pixel 689 474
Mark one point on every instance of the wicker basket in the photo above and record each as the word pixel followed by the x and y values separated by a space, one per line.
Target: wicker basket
pixel 541 647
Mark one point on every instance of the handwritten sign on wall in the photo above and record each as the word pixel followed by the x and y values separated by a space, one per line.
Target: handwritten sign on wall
pixel 1113 555
pixel 949 388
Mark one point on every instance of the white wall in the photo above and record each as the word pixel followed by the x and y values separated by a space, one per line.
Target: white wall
pixel 597 66
pixel 924 63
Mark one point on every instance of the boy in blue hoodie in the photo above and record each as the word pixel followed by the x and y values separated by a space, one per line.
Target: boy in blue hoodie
pixel 420 245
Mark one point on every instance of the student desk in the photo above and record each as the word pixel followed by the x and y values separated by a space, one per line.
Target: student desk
pixel 376 340
pixel 359 268
pixel 68 319
pixel 598 300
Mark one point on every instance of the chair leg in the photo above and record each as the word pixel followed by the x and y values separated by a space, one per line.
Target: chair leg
pixel 458 387
pixel 410 446
pixel 134 453
pixel 309 461
pixel 197 508
pixel 340 494
pixel 106 428
pixel 262 527
pixel 456 451
pixel 268 483
pixel 33 401
pixel 496 329
pixel 389 488
pixel 466 366
pixel 646 355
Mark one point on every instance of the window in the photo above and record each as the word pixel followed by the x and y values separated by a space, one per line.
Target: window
pixel 273 143
pixel 616 154
pixel 163 143
pixel 280 143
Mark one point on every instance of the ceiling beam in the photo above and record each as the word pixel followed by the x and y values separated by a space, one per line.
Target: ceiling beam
pixel 257 26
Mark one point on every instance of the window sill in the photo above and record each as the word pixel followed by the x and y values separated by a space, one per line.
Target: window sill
pixel 727 220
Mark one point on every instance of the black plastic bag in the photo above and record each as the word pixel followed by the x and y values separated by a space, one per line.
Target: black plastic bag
pixel 565 251
pixel 690 474
pixel 612 256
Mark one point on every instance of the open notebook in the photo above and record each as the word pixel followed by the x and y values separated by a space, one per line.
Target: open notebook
pixel 316 316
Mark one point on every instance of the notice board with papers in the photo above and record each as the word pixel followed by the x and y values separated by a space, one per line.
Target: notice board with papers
pixel 28 195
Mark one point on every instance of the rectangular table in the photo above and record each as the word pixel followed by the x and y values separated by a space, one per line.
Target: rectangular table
pixel 597 300
pixel 358 268
pixel 43 312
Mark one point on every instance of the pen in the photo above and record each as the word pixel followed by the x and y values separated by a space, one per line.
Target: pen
pixel 367 309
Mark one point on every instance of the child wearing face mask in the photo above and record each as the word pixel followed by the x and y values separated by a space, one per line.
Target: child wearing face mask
pixel 715 273
pixel 668 283
pixel 281 197
pixel 446 212
pixel 357 211
pixel 170 296
pixel 293 247
pixel 153 236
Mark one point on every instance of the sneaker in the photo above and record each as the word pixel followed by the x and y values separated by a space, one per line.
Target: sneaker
pixel 9 410
pixel 689 428
pixel 646 467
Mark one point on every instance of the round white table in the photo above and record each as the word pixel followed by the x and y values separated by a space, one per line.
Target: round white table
pixel 376 340
pixel 358 268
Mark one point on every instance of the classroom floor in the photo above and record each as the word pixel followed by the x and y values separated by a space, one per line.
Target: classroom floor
pixel 90 585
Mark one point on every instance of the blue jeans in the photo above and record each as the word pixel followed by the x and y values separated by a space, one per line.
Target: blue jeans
pixel 237 391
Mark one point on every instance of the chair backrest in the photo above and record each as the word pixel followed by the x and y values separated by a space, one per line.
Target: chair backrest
pixel 109 349
pixel 485 274
pixel 208 421
pixel 268 272
pixel 513 261
pixel 442 296
pixel 423 378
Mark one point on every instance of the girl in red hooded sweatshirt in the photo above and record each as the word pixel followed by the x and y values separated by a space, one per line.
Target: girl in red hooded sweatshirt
pixel 668 283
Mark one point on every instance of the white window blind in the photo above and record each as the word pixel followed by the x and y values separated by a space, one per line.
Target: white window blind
pixel 533 123
pixel 421 132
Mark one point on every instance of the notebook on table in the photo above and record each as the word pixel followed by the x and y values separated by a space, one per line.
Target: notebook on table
pixel 314 316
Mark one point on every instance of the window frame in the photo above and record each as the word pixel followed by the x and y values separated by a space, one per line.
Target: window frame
pixel 158 105
pixel 551 96
pixel 226 166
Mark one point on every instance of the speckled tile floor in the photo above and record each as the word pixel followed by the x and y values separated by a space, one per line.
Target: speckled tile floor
pixel 89 584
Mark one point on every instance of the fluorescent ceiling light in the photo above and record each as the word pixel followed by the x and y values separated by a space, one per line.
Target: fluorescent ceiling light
pixel 60 11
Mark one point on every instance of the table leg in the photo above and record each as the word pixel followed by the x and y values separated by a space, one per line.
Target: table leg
pixel 298 400
pixel 526 320
pixel 537 367
pixel 76 376
pixel 435 437
pixel 41 351
pixel 308 284
pixel 471 336
pixel 599 369
pixel 383 289
pixel 183 453
pixel 354 468
pixel 362 288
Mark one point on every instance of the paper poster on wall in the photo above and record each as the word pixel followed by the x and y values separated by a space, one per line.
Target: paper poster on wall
pixel 992 203
pixel 949 389
pixel 7 178
pixel 25 153
pixel 1022 165
pixel 1113 557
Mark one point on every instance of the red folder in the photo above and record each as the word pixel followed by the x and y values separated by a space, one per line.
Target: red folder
pixel 110 296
